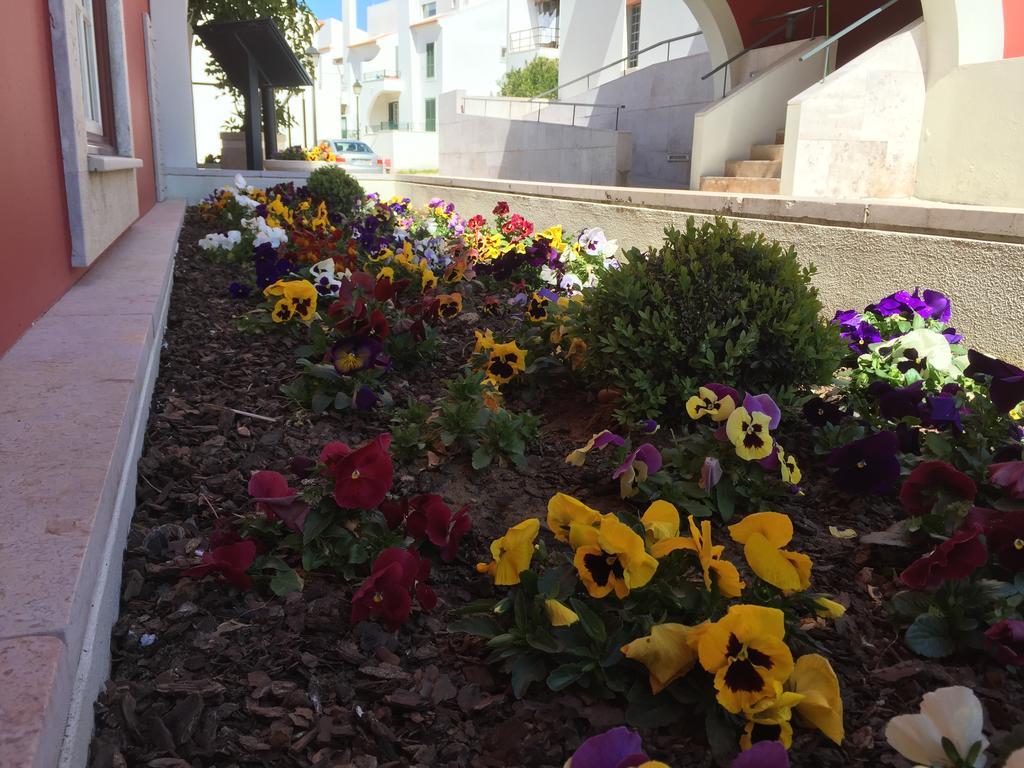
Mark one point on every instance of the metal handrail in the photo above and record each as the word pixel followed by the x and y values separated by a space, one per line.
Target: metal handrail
pixel 531 39
pixel 380 74
pixel 545 103
pixel 667 42
pixel 849 28
pixel 791 18
pixel 794 13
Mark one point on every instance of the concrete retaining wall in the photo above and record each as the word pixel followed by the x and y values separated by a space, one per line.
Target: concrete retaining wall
pixel 862 250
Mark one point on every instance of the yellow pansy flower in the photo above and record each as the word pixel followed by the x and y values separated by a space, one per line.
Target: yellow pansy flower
pixel 771 719
pixel 763 535
pixel 449 305
pixel 505 362
pixel 298 298
pixel 661 521
pixel 716 570
pixel 708 402
pixel 617 561
pixel 746 652
pixel 821 705
pixel 564 511
pixel 559 614
pixel 666 653
pixel 748 432
pixel 484 341
pixel 512 553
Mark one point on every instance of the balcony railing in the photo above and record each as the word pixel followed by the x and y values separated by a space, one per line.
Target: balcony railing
pixel 532 39
pixel 380 74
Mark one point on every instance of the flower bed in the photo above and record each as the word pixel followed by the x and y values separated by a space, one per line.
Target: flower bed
pixel 411 495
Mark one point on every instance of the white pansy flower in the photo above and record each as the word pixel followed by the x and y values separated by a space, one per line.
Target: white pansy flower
pixel 929 346
pixel 593 241
pixel 216 241
pixel 240 181
pixel 548 275
pixel 325 280
pixel 952 713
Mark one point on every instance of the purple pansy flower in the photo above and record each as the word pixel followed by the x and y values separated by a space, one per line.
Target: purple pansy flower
pixel 943 411
pixel 649 426
pixel 901 303
pixel 861 336
pixel 647 454
pixel 764 754
pixel 936 306
pixel 710 473
pixel 239 290
pixel 952 336
pixel 868 465
pixel 350 356
pixel 365 399
pixel 617 748
pixel 1006 389
pixel 765 405
pixel 846 317
pixel 819 412
pixel 898 402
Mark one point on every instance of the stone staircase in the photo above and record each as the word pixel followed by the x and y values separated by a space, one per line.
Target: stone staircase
pixel 760 175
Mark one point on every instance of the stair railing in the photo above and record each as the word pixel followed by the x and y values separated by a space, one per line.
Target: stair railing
pixel 541 105
pixel 829 41
pixel 788 27
pixel 668 55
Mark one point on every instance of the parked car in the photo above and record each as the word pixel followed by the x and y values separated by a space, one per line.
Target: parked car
pixel 357 156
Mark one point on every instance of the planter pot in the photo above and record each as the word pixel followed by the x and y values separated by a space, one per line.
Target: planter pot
pixel 232 149
pixel 295 166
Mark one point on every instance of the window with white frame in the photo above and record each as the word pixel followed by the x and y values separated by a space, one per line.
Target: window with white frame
pixel 633 35
pixel 94 68
pixel 430 60
pixel 429 9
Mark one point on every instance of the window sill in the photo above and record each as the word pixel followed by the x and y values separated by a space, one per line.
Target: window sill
pixel 107 163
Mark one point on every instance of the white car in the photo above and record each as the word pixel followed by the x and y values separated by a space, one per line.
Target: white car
pixel 357 156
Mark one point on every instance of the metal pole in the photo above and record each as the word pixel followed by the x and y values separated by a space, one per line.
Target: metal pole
pixel 573 115
pixel 315 131
pixel 357 118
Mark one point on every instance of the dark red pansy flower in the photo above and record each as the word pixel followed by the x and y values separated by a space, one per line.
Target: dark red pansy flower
pixel 955 558
pixel 500 209
pixel 276 500
pixel 387 592
pixel 331 454
pixel 431 519
pixel 1006 387
pixel 1008 475
pixel 868 465
pixel 362 478
pixel 395 512
pixel 231 561
pixel 1006 538
pixel 1005 641
pixel 820 412
pixel 933 481
pixel 223 533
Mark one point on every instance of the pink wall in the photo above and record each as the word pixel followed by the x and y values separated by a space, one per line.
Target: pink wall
pixel 35 256
pixel 1013 28
pixel 138 79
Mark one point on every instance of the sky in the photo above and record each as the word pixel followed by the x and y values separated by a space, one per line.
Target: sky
pixel 332 9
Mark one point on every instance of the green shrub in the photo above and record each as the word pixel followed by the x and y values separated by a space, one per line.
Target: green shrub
pixel 332 185
pixel 712 304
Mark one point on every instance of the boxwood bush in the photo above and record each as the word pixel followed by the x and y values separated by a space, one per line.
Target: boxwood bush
pixel 342 193
pixel 712 304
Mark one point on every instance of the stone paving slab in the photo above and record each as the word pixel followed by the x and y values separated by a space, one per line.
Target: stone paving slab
pixel 74 398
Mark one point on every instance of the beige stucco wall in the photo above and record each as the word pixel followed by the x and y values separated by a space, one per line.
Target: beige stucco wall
pixel 856 134
pixel 857 264
pixel 972 145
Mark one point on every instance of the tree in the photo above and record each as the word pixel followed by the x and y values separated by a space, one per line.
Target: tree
pixel 538 76
pixel 294 18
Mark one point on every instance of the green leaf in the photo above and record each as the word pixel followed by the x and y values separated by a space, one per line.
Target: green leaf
pixel 482 457
pixel 480 626
pixel 930 636
pixel 526 670
pixel 910 605
pixel 321 401
pixel 342 401
pixel 654 711
pixel 567 674
pixel 316 523
pixel 589 621
pixel 722 736
pixel 725 498
pixel 285 580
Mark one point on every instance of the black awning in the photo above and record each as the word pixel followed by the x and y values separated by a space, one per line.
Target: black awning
pixel 232 42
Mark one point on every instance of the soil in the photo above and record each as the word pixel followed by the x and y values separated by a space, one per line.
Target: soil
pixel 203 675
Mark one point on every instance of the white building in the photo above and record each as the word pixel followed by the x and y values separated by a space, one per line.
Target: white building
pixel 410 52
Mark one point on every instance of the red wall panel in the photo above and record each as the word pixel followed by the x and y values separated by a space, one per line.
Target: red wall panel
pixel 35 257
pixel 843 12
pixel 1013 28
pixel 138 79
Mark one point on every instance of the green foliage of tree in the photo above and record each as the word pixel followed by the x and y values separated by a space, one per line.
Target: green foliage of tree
pixel 295 20
pixel 538 76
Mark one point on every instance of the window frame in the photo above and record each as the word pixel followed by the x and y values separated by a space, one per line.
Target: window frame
pixel 432 5
pixel 430 122
pixel 430 54
pixel 633 34
pixel 97 81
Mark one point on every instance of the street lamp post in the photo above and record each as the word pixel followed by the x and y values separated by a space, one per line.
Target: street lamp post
pixel 357 88
pixel 315 54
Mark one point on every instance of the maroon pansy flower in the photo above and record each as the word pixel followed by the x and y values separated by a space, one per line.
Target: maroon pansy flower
pixel 276 500
pixel 395 576
pixel 1005 641
pixel 820 412
pixel 868 465
pixel 431 519
pixel 1008 475
pixel 933 481
pixel 1006 387
pixel 363 477
pixel 955 558
pixel 231 562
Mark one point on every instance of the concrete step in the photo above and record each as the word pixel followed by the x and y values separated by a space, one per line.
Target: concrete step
pixel 740 185
pixel 780 136
pixel 761 169
pixel 766 151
